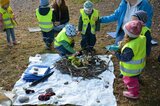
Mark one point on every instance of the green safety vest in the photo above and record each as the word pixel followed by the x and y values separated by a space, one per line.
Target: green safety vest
pixel 45 22
pixel 7 21
pixel 137 64
pixel 92 20
pixel 144 30
pixel 62 37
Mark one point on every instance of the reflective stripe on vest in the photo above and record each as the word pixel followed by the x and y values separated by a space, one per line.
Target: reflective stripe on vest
pixel 6 18
pixel 86 20
pixel 62 37
pixel 136 61
pixel 45 22
pixel 132 72
pixel 136 65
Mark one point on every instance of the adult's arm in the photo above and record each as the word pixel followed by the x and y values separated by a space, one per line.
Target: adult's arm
pixel 80 23
pixel 148 8
pixel 66 18
pixel 114 17
pixel 53 16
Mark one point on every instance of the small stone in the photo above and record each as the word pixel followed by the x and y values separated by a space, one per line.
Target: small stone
pixel 66 83
pixel 23 99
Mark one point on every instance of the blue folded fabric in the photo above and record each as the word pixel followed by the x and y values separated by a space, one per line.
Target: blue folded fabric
pixel 30 77
pixel 112 47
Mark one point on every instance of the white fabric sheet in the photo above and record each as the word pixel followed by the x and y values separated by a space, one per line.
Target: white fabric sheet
pixel 88 92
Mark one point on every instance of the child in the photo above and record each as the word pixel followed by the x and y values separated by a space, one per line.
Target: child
pixel 88 26
pixel 46 18
pixel 7 21
pixel 142 16
pixel 132 57
pixel 64 41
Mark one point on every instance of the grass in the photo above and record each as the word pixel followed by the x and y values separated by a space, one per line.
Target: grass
pixel 15 60
pixel 82 1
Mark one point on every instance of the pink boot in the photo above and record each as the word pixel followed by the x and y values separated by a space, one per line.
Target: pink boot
pixel 130 95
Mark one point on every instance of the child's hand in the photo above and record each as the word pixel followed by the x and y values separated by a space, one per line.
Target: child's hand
pixel 120 43
pixel 113 52
pixel 78 53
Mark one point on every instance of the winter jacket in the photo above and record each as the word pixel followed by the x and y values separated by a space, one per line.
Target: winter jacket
pixel 119 14
pixel 61 15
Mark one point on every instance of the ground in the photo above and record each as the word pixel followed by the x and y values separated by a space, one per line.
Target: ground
pixel 14 61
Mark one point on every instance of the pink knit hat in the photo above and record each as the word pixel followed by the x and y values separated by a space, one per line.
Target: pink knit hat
pixel 133 28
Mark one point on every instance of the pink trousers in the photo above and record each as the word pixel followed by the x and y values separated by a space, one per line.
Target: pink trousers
pixel 132 84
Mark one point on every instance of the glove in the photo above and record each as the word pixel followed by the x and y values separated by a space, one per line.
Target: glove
pixel 71 57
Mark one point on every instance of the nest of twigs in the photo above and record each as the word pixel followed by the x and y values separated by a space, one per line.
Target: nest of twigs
pixel 94 67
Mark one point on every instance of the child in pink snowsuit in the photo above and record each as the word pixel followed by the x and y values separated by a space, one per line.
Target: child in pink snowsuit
pixel 132 56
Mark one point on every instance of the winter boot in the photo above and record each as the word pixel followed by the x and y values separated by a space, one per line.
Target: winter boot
pixel 130 95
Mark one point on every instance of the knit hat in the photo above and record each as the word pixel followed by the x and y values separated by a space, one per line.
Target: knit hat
pixel 88 5
pixel 70 30
pixel 133 28
pixel 141 15
pixel 44 2
pixel 4 2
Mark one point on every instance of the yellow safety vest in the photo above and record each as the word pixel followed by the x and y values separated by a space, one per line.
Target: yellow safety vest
pixel 144 30
pixel 62 37
pixel 7 16
pixel 137 64
pixel 45 22
pixel 92 20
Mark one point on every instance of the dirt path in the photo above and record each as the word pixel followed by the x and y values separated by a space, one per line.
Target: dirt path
pixel 14 61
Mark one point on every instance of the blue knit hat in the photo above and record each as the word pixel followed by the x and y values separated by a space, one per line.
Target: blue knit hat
pixel 44 2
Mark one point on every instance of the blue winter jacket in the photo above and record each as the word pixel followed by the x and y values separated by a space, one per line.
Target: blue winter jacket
pixel 119 14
